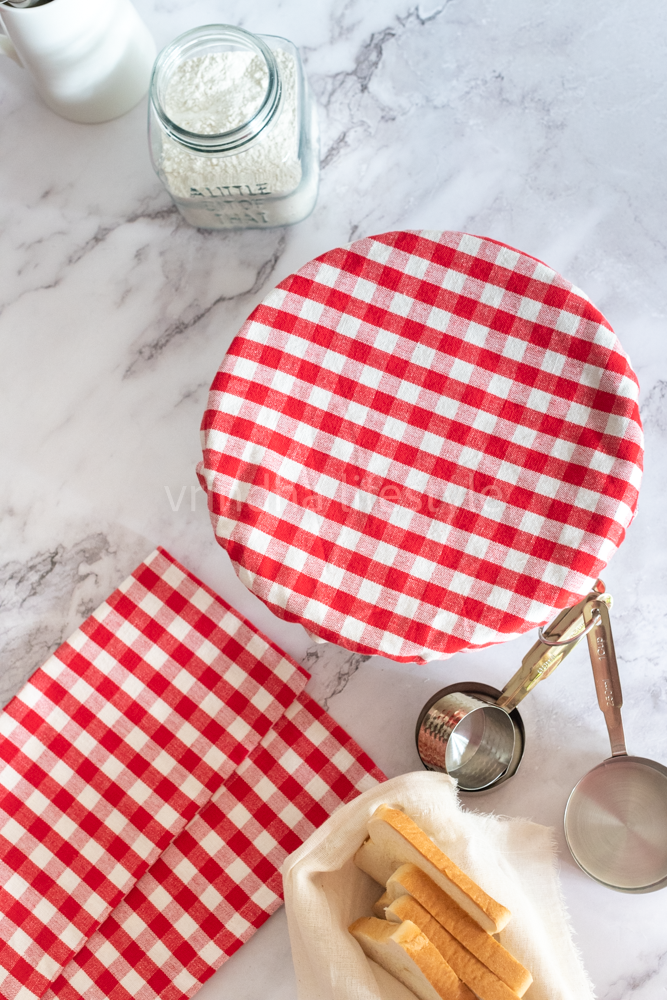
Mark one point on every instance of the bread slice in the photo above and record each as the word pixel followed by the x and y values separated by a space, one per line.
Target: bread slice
pixel 409 956
pixel 400 838
pixel 484 983
pixel 411 880
pixel 377 862
pixel 383 903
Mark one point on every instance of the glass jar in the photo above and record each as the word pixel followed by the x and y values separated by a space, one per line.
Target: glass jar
pixel 233 129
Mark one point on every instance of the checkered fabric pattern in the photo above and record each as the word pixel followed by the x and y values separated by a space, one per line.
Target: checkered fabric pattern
pixel 220 880
pixel 113 747
pixel 421 443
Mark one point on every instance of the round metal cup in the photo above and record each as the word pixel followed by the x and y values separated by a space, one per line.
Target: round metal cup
pixel 616 824
pixel 462 732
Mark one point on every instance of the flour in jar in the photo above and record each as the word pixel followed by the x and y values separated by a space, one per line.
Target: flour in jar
pixel 215 93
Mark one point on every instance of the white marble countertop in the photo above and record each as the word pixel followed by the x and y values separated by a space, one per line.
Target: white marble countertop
pixel 540 125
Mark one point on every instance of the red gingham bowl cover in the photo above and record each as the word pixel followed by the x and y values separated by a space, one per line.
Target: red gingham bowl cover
pixel 421 443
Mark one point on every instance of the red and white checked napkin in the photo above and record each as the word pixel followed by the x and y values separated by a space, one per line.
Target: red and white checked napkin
pixel 220 880
pixel 150 760
pixel 421 443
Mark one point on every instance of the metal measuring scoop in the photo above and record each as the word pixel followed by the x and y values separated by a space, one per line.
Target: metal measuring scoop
pixel 616 817
pixel 474 732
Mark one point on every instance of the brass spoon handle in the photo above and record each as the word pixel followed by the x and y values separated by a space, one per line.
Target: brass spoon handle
pixel 605 672
pixel 543 658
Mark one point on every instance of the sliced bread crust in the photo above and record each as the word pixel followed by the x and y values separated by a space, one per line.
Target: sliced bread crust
pixel 411 880
pixel 400 837
pixel 408 955
pixel 484 983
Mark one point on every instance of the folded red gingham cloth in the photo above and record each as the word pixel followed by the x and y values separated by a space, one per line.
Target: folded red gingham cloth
pixel 421 443
pixel 113 747
pixel 220 879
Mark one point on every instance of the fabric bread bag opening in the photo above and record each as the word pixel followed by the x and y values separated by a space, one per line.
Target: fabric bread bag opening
pixel 422 443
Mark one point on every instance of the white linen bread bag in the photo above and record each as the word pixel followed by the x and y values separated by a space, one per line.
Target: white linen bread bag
pixel 512 859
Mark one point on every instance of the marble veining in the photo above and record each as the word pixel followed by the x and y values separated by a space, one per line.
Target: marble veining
pixel 540 125
pixel 331 669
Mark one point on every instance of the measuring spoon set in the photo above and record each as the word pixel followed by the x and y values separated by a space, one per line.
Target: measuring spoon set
pixel 616 816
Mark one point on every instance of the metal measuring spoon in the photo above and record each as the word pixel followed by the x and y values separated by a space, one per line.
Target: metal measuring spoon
pixel 616 817
pixel 474 732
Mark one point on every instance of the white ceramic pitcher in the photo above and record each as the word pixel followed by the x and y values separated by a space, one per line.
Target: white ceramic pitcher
pixel 91 60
